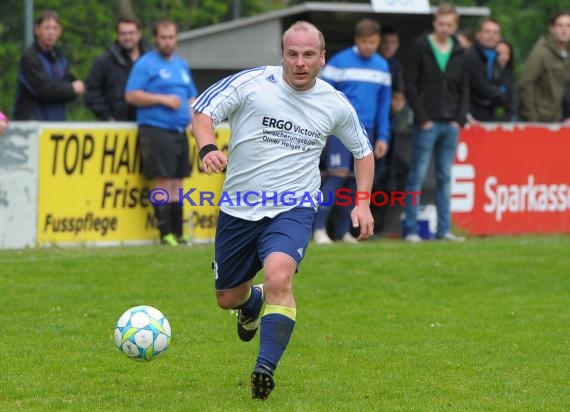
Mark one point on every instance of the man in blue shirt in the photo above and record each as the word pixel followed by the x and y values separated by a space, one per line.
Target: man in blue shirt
pixel 364 77
pixel 161 86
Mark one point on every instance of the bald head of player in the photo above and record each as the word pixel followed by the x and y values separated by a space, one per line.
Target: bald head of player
pixel 303 55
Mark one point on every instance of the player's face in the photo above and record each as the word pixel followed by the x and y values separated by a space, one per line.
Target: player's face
pixel 47 33
pixel 128 35
pixel 560 30
pixel 302 59
pixel 389 45
pixel 367 45
pixel 444 25
pixel 165 40
pixel 489 35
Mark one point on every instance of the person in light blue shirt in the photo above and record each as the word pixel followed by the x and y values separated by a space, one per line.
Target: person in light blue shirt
pixel 160 85
pixel 363 76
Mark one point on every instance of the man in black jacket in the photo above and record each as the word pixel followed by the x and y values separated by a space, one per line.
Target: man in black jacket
pixel 108 75
pixel 437 87
pixel 485 76
pixel 44 81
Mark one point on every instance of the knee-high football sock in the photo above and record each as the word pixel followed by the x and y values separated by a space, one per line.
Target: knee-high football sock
pixel 277 326
pixel 177 218
pixel 162 214
pixel 252 305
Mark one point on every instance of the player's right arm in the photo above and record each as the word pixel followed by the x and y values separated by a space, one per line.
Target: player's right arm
pixel 213 106
pixel 214 161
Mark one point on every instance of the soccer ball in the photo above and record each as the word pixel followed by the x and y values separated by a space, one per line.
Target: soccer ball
pixel 142 333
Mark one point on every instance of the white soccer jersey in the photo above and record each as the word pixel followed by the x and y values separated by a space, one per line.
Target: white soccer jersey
pixel 277 136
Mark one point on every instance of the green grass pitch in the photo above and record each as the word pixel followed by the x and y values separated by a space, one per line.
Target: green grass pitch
pixel 382 326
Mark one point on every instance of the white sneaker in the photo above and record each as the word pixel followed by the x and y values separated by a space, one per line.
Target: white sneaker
pixel 320 237
pixel 452 238
pixel 413 238
pixel 348 238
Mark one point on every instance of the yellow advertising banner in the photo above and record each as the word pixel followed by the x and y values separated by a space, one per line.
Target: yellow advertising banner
pixel 91 189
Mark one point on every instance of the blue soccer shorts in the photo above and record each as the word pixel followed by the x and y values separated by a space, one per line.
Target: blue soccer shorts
pixel 241 245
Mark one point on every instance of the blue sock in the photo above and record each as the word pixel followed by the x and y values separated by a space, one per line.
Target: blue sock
pixel 329 188
pixel 252 306
pixel 275 332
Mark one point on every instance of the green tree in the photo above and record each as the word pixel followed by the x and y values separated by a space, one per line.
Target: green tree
pixel 89 27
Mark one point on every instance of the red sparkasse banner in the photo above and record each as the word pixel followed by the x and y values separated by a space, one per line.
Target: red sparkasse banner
pixel 512 178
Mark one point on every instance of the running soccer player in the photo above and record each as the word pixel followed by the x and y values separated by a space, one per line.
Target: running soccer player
pixel 280 118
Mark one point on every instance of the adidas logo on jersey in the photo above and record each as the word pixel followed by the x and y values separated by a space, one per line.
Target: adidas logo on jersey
pixel 271 79
pixel 300 251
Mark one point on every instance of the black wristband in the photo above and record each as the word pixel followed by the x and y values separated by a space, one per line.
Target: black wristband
pixel 207 149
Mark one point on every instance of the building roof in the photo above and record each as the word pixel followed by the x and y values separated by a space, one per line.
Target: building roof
pixel 255 41
pixel 310 7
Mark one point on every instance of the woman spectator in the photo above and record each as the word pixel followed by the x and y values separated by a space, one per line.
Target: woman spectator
pixel 505 57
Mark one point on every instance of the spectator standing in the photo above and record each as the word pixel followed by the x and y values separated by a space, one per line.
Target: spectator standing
pixel 437 88
pixel 506 59
pixel 108 76
pixel 385 174
pixel 543 81
pixel 161 86
pixel 389 45
pixel 485 75
pixel 44 81
pixel 364 77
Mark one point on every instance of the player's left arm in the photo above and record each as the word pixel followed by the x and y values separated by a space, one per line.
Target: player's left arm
pixel 351 133
pixel 361 215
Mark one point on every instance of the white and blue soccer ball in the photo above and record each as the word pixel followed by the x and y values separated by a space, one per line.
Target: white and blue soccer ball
pixel 142 333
